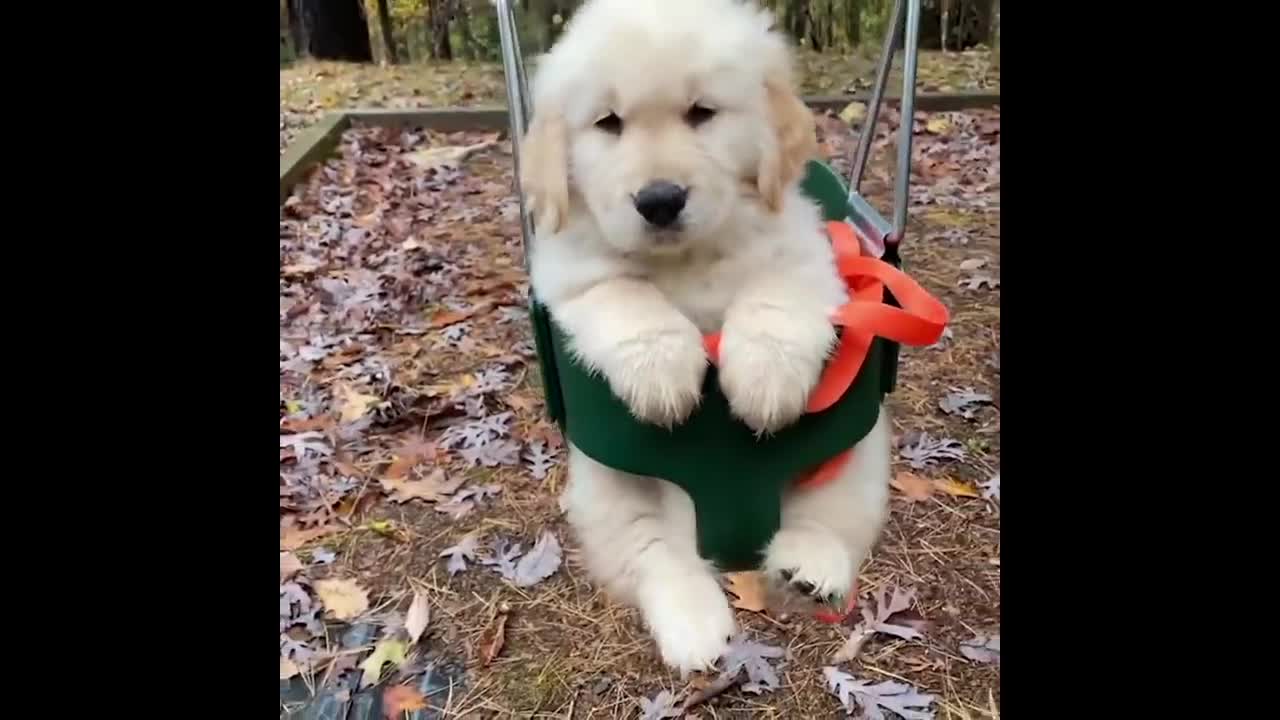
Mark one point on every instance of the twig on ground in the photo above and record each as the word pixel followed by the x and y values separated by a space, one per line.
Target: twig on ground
pixel 718 687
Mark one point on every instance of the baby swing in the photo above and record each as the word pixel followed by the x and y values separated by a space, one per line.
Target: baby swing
pixel 737 481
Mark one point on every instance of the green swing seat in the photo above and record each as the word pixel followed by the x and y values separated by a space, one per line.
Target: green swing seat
pixel 736 481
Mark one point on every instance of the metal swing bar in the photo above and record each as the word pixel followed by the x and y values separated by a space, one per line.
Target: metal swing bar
pixel 518 109
pixel 884 236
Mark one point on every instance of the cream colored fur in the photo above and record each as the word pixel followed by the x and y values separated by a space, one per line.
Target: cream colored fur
pixel 750 259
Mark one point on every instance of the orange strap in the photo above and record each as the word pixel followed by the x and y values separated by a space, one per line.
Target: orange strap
pixel 920 320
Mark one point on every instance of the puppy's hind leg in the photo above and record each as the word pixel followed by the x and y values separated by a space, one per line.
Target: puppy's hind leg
pixel 828 531
pixel 631 537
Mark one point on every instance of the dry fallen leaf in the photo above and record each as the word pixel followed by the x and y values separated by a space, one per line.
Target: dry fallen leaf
pixel 417 618
pixel 389 649
pixel 852 645
pixel 497 635
pixel 385 528
pixel 449 317
pixel 355 404
pixel 399 699
pixel 293 538
pixel 955 488
pixel 451 388
pixel 487 285
pixel 899 698
pixel 547 432
pixel 355 504
pixel 892 616
pixel 982 648
pixel 287 668
pixel 749 588
pixel 853 112
pixel 912 485
pixel 343 599
pixel 663 705
pixel 445 155
pixel 432 488
pixel 540 563
pixel 411 452
pixel 308 425
pixel 937 125
pixel 289 565
pixel 520 403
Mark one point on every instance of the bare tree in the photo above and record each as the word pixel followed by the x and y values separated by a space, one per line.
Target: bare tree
pixel 388 41
pixel 853 22
pixel 439 13
pixel 335 30
pixel 946 18
pixel 295 27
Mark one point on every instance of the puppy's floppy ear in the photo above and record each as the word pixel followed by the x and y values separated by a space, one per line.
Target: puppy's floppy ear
pixel 795 142
pixel 544 170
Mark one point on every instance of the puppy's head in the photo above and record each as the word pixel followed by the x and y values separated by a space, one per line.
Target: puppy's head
pixel 661 118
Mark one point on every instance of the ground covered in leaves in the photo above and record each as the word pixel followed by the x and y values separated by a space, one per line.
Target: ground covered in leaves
pixel 310 89
pixel 425 566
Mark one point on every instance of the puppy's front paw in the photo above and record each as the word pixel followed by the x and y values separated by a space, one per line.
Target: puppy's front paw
pixel 659 374
pixel 691 621
pixel 767 376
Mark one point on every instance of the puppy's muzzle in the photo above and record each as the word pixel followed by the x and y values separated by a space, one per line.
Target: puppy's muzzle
pixel 660 202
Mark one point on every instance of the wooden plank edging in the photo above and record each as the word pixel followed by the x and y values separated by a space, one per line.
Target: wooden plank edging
pixel 446 119
pixel 493 117
pixel 309 148
pixel 925 101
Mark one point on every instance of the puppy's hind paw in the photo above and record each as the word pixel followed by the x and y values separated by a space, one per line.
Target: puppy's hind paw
pixel 811 563
pixel 692 624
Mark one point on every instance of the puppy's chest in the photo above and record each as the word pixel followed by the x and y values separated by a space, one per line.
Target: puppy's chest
pixel 702 292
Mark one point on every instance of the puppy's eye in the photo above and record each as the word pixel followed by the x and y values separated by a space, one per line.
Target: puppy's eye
pixel 699 114
pixel 610 123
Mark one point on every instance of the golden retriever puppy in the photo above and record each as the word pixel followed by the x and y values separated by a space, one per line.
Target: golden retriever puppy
pixel 662 166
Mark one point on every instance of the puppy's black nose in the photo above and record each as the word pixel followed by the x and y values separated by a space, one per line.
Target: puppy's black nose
pixel 660 202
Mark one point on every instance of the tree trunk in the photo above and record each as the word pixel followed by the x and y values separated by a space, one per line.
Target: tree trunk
pixel 995 23
pixel 542 16
pixel 296 35
pixel 335 30
pixel 853 22
pixel 471 49
pixel 815 32
pixel 946 18
pixel 440 12
pixel 830 23
pixel 388 41
pixel 793 19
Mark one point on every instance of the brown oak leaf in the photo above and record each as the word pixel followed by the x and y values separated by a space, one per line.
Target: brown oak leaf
pixel 433 488
pixel 399 699
pixel 913 486
pixel 749 588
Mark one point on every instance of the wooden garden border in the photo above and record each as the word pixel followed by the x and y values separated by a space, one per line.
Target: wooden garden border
pixel 309 148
